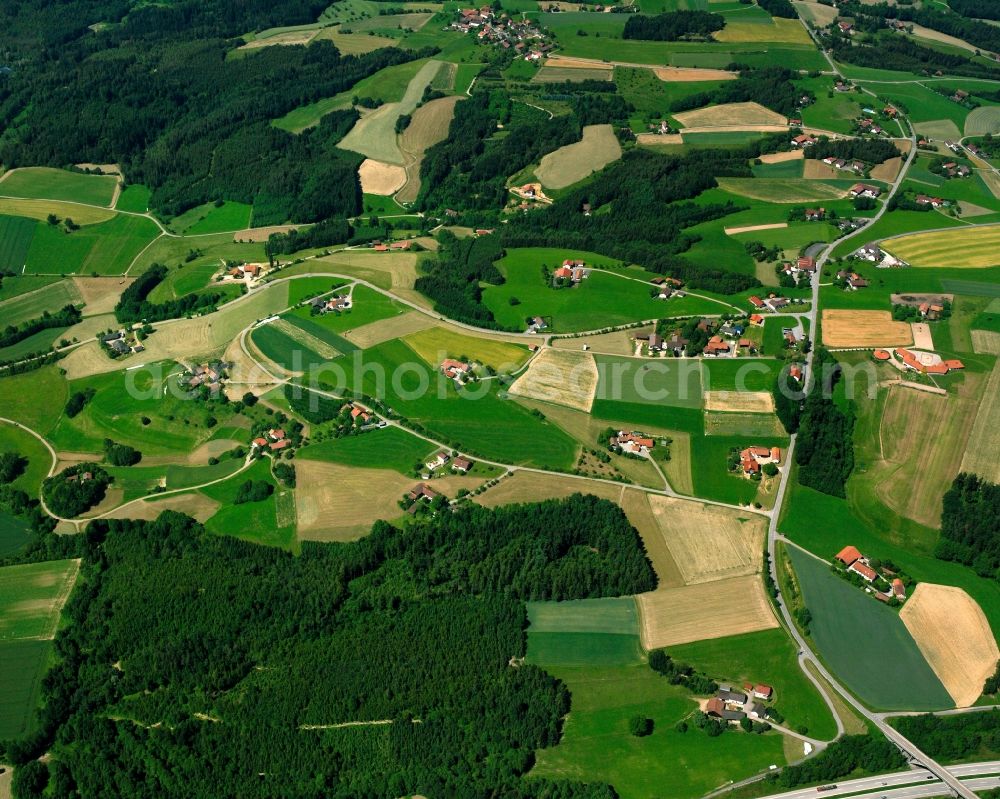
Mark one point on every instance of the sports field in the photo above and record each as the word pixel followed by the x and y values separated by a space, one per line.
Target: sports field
pixel 702 611
pixel 843 613
pixel 560 376
pixel 573 162
pixel 32 596
pixel 980 452
pixel 843 329
pixel 963 248
pixel 954 636
pixel 57 184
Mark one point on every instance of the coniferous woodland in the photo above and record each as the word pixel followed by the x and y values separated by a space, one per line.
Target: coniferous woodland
pixel 970 525
pixel 673 25
pixel 11 334
pixel 872 151
pixel 892 51
pixel 230 664
pixel 772 87
pixel 133 305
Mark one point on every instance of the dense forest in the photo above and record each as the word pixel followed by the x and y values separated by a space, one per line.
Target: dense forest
pixel 452 281
pixel 673 25
pixel 980 34
pixel 976 9
pixel 824 450
pixel 75 490
pixel 11 334
pixel 970 525
pixel 772 87
pixel 133 305
pixel 158 95
pixel 951 738
pixel 226 663
pixel 872 151
pixel 779 8
pixel 788 396
pixel 892 51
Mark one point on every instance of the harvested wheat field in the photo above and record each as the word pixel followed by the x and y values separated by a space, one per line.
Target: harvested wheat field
pixel 955 638
pixel 379 178
pixel 739 401
pixel 573 162
pixel 572 62
pixel 653 139
pixel 732 231
pixel 846 329
pixel 258 234
pixel 691 75
pixel 777 158
pixel 559 376
pixel 386 329
pixel 730 115
pixel 289 38
pixel 428 127
pixel 965 248
pixel 986 341
pixel 195 505
pixel 522 486
pixel 619 342
pixel 981 452
pixel 819 15
pixel 307 339
pixel 560 74
pixel 708 610
pixel 707 542
pixel 395 270
pixel 636 505
pixel 887 170
pixel 100 293
pixel 814 169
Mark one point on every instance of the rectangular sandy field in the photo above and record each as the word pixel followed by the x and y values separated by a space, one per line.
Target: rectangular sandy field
pixel 844 329
pixel 560 376
pixel 730 115
pixel 739 401
pixel 720 609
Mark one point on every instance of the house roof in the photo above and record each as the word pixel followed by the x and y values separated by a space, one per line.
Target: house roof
pixel 848 555
pixel 761 688
pixel 276 445
pixel 462 463
pixel 865 571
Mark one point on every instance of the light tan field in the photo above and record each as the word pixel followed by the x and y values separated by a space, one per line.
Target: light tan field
pixel 40 209
pixel 100 293
pixel 636 505
pixel 5 783
pixel 709 543
pixel 887 170
pixel 820 16
pixel 922 338
pixel 971 209
pixel 194 504
pixel 379 178
pixel 981 453
pixel 730 115
pixel 938 129
pixel 652 139
pixel 707 610
pixel 986 341
pixel 107 169
pixel 572 62
pixel 617 343
pixel 87 328
pixel 260 233
pixel 936 36
pixel 387 270
pixel 386 329
pixel 788 31
pixel 573 162
pixel 955 638
pixel 814 169
pixel 732 231
pixel 533 487
pixel 413 20
pixel 691 75
pixel 911 477
pixel 990 178
pixel 777 158
pixel 560 376
pixel 428 127
pixel 844 329
pixel 560 74
pixel 968 248
pixel 739 401
pixel 291 37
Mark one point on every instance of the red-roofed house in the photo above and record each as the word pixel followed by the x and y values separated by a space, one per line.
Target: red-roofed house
pixel 756 302
pixel 633 443
pixel 795 372
pixel 365 416
pixel 260 442
pixel 276 445
pixel 866 572
pixel 454 369
pixel 752 458
pixel 881 355
pixel 276 434
pixel 762 691
pixel 461 464
pixel 757 319
pixel 848 555
pixel 898 589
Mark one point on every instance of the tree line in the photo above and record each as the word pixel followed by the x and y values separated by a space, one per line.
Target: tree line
pixel 779 8
pixel 134 305
pixel 12 334
pixel 872 151
pixel 417 626
pixel 979 34
pixel 891 51
pixel 772 87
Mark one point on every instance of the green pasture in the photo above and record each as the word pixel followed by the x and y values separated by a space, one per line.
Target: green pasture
pixel 782 169
pixel 22 666
pixel 710 475
pixel 740 374
pixel 306 288
pixel 38 342
pixel 651 382
pixel 14 534
pixel 16 233
pixel 17 439
pixel 44 183
pixel 107 248
pixel 586 632
pixel 134 198
pixel 35 398
pixel 388 448
pixel 139 481
pixel 395 373
pixel 836 113
pixel 15 285
pixel 193 278
pixel 843 613
pixel 29 595
pixel 750 426
pixel 668 417
pixel 282 349
pixel 895 223
pixel 251 521
pixel 368 306
pixel 210 218
pixel 31 306
pixel 768 657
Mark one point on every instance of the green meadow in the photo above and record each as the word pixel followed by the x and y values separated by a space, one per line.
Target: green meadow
pixel 29 598
pixel 388 448
pixel 35 399
pixel 57 184
pixel 106 248
pixel 585 632
pixel 367 305
pixel 865 642
pixel 16 233
pixel 134 198
pixel 258 522
pixel 17 439
pixel 651 382
pixel 212 218
pixel 22 666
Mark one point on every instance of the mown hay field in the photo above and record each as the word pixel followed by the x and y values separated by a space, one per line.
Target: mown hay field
pixel 384 330
pixel 429 344
pixel 31 597
pixel 699 612
pixel 756 425
pixel 29 306
pixel 887 170
pixel 428 127
pixel 777 158
pixel 557 74
pixel 691 75
pixel 355 43
pixel 980 455
pixel 954 636
pixel 783 190
pixel 619 342
pixel 962 248
pixel 524 486
pixel 560 376
pixel 986 341
pixel 983 120
pixel 379 178
pixel 739 401
pixel 730 115
pixel 708 542
pixel 389 270
pixel 196 505
pixel 787 31
pixel 40 210
pixel 58 184
pixel 846 329
pixel 573 162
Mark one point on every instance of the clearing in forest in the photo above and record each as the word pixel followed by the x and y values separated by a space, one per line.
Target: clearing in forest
pixel 573 162
pixel 954 636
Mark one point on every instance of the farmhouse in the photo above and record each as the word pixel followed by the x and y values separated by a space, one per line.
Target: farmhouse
pixel 795 372
pixel 757 320
pixel 804 140
pixel 246 271
pixel 439 459
pixel 815 214
pixel 925 199
pixel 716 346
pixel 775 304
pixel 960 96
pixel 848 555
pixel 759 691
pixel 845 27
pixel 752 458
pixel 870 252
pixel 719 709
pixel 453 369
pixel 928 363
pixel 632 443
pixel 536 323
pixel 335 304
pixel 571 270
pixel 360 413
pixel 863 570
pixel 852 280
pixel 865 190
pixel 423 491
pixel 461 464
pixel 930 310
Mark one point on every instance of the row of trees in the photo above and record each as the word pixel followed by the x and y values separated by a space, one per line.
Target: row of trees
pixel 953 738
pixel 891 51
pixel 872 151
pixel 12 334
pixel 134 305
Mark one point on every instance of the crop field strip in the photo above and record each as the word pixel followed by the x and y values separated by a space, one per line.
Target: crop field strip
pixel 559 376
pixel 573 162
pixel 968 248
pixel 856 329
pixel 980 453
pixel 32 597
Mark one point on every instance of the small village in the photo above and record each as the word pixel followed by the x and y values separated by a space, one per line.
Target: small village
pixel 733 705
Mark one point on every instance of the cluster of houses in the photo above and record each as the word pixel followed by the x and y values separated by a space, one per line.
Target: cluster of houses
pixel 572 270
pixel 852 280
pixel 866 125
pixel 803 267
pixel 631 443
pixel 752 459
pixel 358 414
pixel 773 303
pixel 952 169
pixel 733 706
pixel 274 441
pixel 210 376
pixel 919 361
pixel 843 165
pixel 441 459
pixel 334 304
pixel 727 340
pixel 668 287
pixel 865 190
pixel 455 370
pixel 392 246
pixel 530 191
pixel 885 587
pixel 522 35
pixel 883 260
pixel 121 342
pixel 933 202
pixel 246 272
